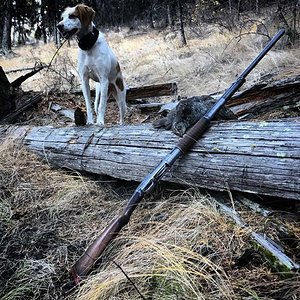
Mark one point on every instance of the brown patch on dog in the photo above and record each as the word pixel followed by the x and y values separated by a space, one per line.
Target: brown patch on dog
pixel 118 68
pixel 85 14
pixel 111 89
pixel 119 83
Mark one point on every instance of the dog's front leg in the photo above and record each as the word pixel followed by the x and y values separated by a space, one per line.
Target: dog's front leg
pixel 87 97
pixel 103 101
pixel 97 97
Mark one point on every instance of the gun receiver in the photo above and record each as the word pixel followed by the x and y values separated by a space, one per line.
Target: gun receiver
pixel 87 260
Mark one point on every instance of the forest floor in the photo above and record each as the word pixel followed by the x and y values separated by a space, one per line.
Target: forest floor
pixel 177 245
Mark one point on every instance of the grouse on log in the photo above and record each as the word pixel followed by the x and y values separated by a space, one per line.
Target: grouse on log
pixel 188 112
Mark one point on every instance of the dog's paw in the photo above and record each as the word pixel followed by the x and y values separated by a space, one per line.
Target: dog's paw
pixel 100 125
pixel 90 122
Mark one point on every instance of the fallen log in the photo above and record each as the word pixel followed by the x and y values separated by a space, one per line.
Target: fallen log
pixel 16 83
pixel 149 91
pixel 255 157
pixel 279 90
pixel 13 101
pixel 157 90
pixel 272 92
pixel 7 96
pixel 27 100
pixel 283 263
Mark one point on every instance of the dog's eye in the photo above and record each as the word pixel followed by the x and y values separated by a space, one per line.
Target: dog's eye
pixel 72 17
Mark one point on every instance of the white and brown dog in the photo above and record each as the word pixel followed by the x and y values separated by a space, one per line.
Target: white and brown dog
pixel 96 61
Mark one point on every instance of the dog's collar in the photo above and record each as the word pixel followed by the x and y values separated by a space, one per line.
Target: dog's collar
pixel 88 41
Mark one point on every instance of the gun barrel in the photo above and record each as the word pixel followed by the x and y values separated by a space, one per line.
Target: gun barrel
pixel 266 49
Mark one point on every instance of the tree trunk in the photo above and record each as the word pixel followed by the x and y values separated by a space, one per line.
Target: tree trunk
pixel 56 32
pixel 257 7
pixel 6 29
pixel 43 17
pixel 170 20
pixel 239 9
pixel 230 6
pixel 182 33
pixel 255 157
pixel 7 103
pixel 294 23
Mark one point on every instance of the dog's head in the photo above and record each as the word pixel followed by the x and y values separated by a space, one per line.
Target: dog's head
pixel 75 19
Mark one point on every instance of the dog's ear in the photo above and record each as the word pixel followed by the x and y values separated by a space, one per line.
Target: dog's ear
pixel 85 14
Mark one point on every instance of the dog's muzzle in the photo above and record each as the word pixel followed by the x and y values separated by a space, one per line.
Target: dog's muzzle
pixel 66 34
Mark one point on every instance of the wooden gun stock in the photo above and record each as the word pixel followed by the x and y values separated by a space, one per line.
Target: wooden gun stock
pixel 93 252
pixel 90 256
pixel 87 260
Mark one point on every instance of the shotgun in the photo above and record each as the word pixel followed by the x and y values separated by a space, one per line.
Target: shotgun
pixel 93 252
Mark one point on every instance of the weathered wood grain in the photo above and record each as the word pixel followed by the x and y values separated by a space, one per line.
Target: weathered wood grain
pixel 149 91
pixel 158 90
pixel 256 157
pixel 278 90
pixel 27 101
pixel 7 101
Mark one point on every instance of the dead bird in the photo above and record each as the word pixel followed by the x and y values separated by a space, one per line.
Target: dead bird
pixel 188 112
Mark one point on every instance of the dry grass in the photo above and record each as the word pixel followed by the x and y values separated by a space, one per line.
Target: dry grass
pixel 177 245
pixel 43 211
pixel 172 257
pixel 206 65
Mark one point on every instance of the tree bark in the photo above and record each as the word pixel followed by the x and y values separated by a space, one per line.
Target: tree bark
pixel 56 32
pixel 43 17
pixel 255 157
pixel 281 90
pixel 26 103
pixel 7 101
pixel 157 90
pixel 6 28
pixel 182 33
pixel 148 91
